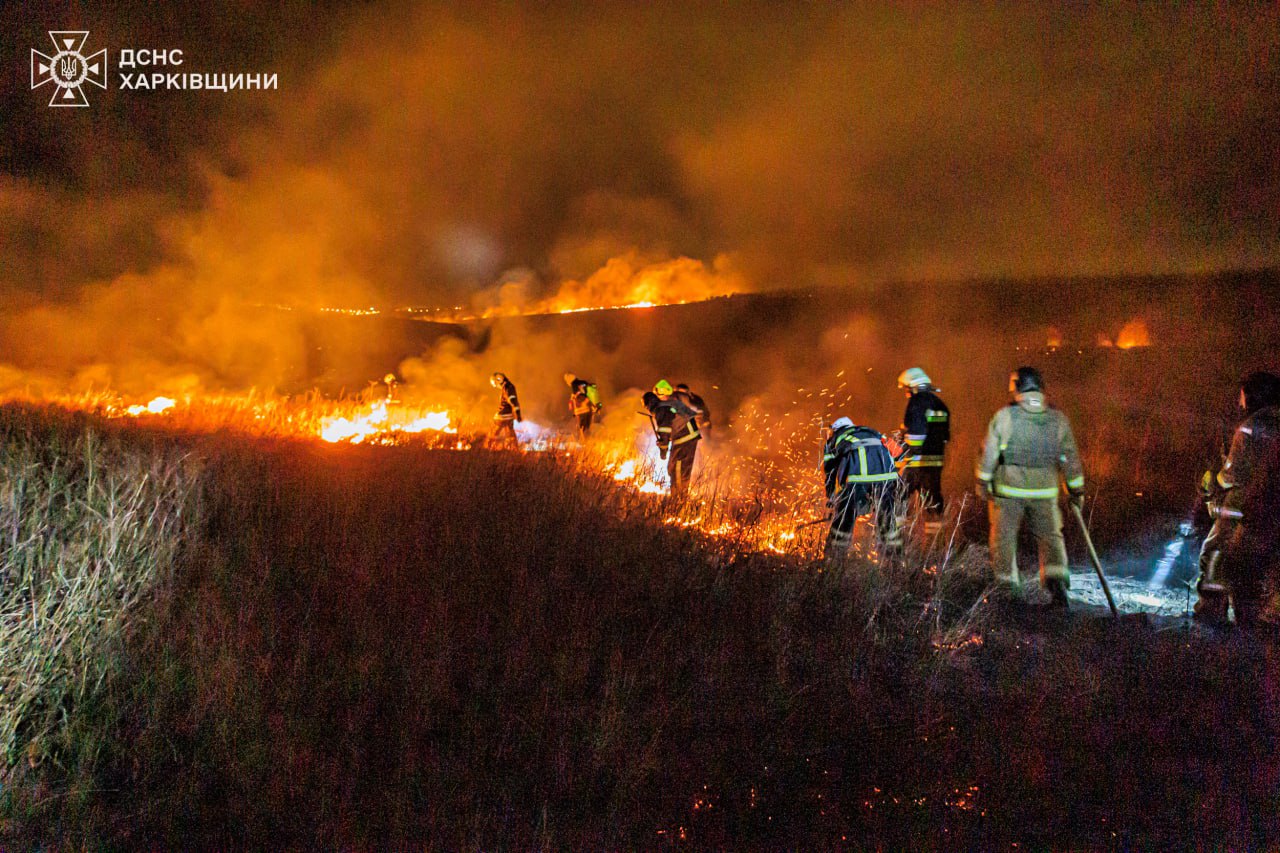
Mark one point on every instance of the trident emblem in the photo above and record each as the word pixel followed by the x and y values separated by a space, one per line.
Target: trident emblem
pixel 68 69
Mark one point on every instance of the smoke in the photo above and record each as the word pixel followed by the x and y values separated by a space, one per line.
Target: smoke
pixel 502 157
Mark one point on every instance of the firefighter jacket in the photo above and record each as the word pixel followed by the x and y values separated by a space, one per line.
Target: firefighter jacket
pixel 580 398
pixel 699 405
pixel 1250 478
pixel 1028 445
pixel 855 456
pixel 675 423
pixel 508 405
pixel 926 426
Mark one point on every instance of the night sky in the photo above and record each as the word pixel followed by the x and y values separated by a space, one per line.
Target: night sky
pixel 418 152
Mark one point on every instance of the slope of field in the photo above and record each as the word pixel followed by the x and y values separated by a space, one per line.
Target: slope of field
pixel 363 647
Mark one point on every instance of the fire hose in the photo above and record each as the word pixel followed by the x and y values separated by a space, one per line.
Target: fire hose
pixel 1093 557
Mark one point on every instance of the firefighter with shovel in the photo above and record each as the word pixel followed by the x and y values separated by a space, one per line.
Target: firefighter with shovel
pixel 1028 448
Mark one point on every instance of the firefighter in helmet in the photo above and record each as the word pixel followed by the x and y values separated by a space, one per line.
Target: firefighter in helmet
pixel 926 429
pixel 1241 555
pixel 676 426
pixel 1028 448
pixel 860 478
pixel 508 414
pixel 584 402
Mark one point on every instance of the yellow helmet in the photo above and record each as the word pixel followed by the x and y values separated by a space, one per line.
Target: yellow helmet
pixel 663 388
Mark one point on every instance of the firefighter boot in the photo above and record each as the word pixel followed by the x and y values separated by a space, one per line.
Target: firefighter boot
pixel 1212 594
pixel 836 547
pixel 1211 604
pixel 1057 593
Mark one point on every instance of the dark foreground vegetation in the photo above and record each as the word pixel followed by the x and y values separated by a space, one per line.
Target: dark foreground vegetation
pixel 218 643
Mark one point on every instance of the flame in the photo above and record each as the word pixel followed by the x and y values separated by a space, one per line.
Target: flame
pixel 376 422
pixel 625 282
pixel 765 521
pixel 1133 334
pixel 157 406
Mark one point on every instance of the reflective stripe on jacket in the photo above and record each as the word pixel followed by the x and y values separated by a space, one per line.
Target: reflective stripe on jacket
pixel 926 427
pixel 1028 446
pixel 854 456
pixel 1250 477
pixel 508 405
pixel 675 423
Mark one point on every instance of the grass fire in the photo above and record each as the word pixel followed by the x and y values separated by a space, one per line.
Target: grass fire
pixel 640 426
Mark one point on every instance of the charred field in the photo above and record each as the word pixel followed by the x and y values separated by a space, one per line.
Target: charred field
pixel 240 642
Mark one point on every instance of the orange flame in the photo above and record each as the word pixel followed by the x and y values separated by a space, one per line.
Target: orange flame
pixel 1133 334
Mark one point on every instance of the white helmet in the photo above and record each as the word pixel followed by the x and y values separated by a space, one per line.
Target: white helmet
pixel 914 377
pixel 841 423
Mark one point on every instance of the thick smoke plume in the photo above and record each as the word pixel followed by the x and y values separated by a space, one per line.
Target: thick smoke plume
pixel 435 155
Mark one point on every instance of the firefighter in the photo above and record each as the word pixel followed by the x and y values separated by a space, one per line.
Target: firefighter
pixel 860 478
pixel 677 430
pixel 1029 445
pixel 584 402
pixel 699 405
pixel 508 414
pixel 1241 555
pixel 926 429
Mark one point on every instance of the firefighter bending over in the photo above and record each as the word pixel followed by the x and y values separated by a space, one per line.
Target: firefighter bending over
pixel 860 478
pixel 926 427
pixel 676 426
pixel 584 402
pixel 508 414
pixel 1241 555
pixel 1028 445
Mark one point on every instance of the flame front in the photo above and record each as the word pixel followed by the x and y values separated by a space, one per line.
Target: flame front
pixel 377 422
pixel 631 462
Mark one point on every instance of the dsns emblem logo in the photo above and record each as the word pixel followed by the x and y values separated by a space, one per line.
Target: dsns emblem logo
pixel 68 69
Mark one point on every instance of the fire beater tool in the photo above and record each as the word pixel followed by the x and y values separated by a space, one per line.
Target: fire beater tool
pixel 1093 558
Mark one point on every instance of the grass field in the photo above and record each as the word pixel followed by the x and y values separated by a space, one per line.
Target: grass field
pixel 225 642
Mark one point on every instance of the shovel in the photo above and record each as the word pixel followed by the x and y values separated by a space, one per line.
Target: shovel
pixel 1093 557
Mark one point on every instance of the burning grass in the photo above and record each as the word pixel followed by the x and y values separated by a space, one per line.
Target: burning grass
pixel 353 647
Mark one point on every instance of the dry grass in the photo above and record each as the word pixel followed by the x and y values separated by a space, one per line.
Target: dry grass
pixel 360 647
pixel 90 529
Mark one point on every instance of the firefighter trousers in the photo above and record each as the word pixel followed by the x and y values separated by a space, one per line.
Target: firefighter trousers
pixel 1044 518
pixel 927 481
pixel 584 423
pixel 855 500
pixel 680 465
pixel 1239 562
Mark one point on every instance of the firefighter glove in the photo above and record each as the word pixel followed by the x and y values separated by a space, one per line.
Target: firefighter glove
pixel 1076 497
pixel 662 453
pixel 983 490
pixel 519 419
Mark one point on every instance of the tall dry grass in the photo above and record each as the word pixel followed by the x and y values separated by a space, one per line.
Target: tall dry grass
pixel 90 529
pixel 373 648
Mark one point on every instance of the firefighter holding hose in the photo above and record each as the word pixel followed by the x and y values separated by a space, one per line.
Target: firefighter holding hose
pixel 860 478
pixel 1029 446
pixel 1241 555
pixel 676 426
